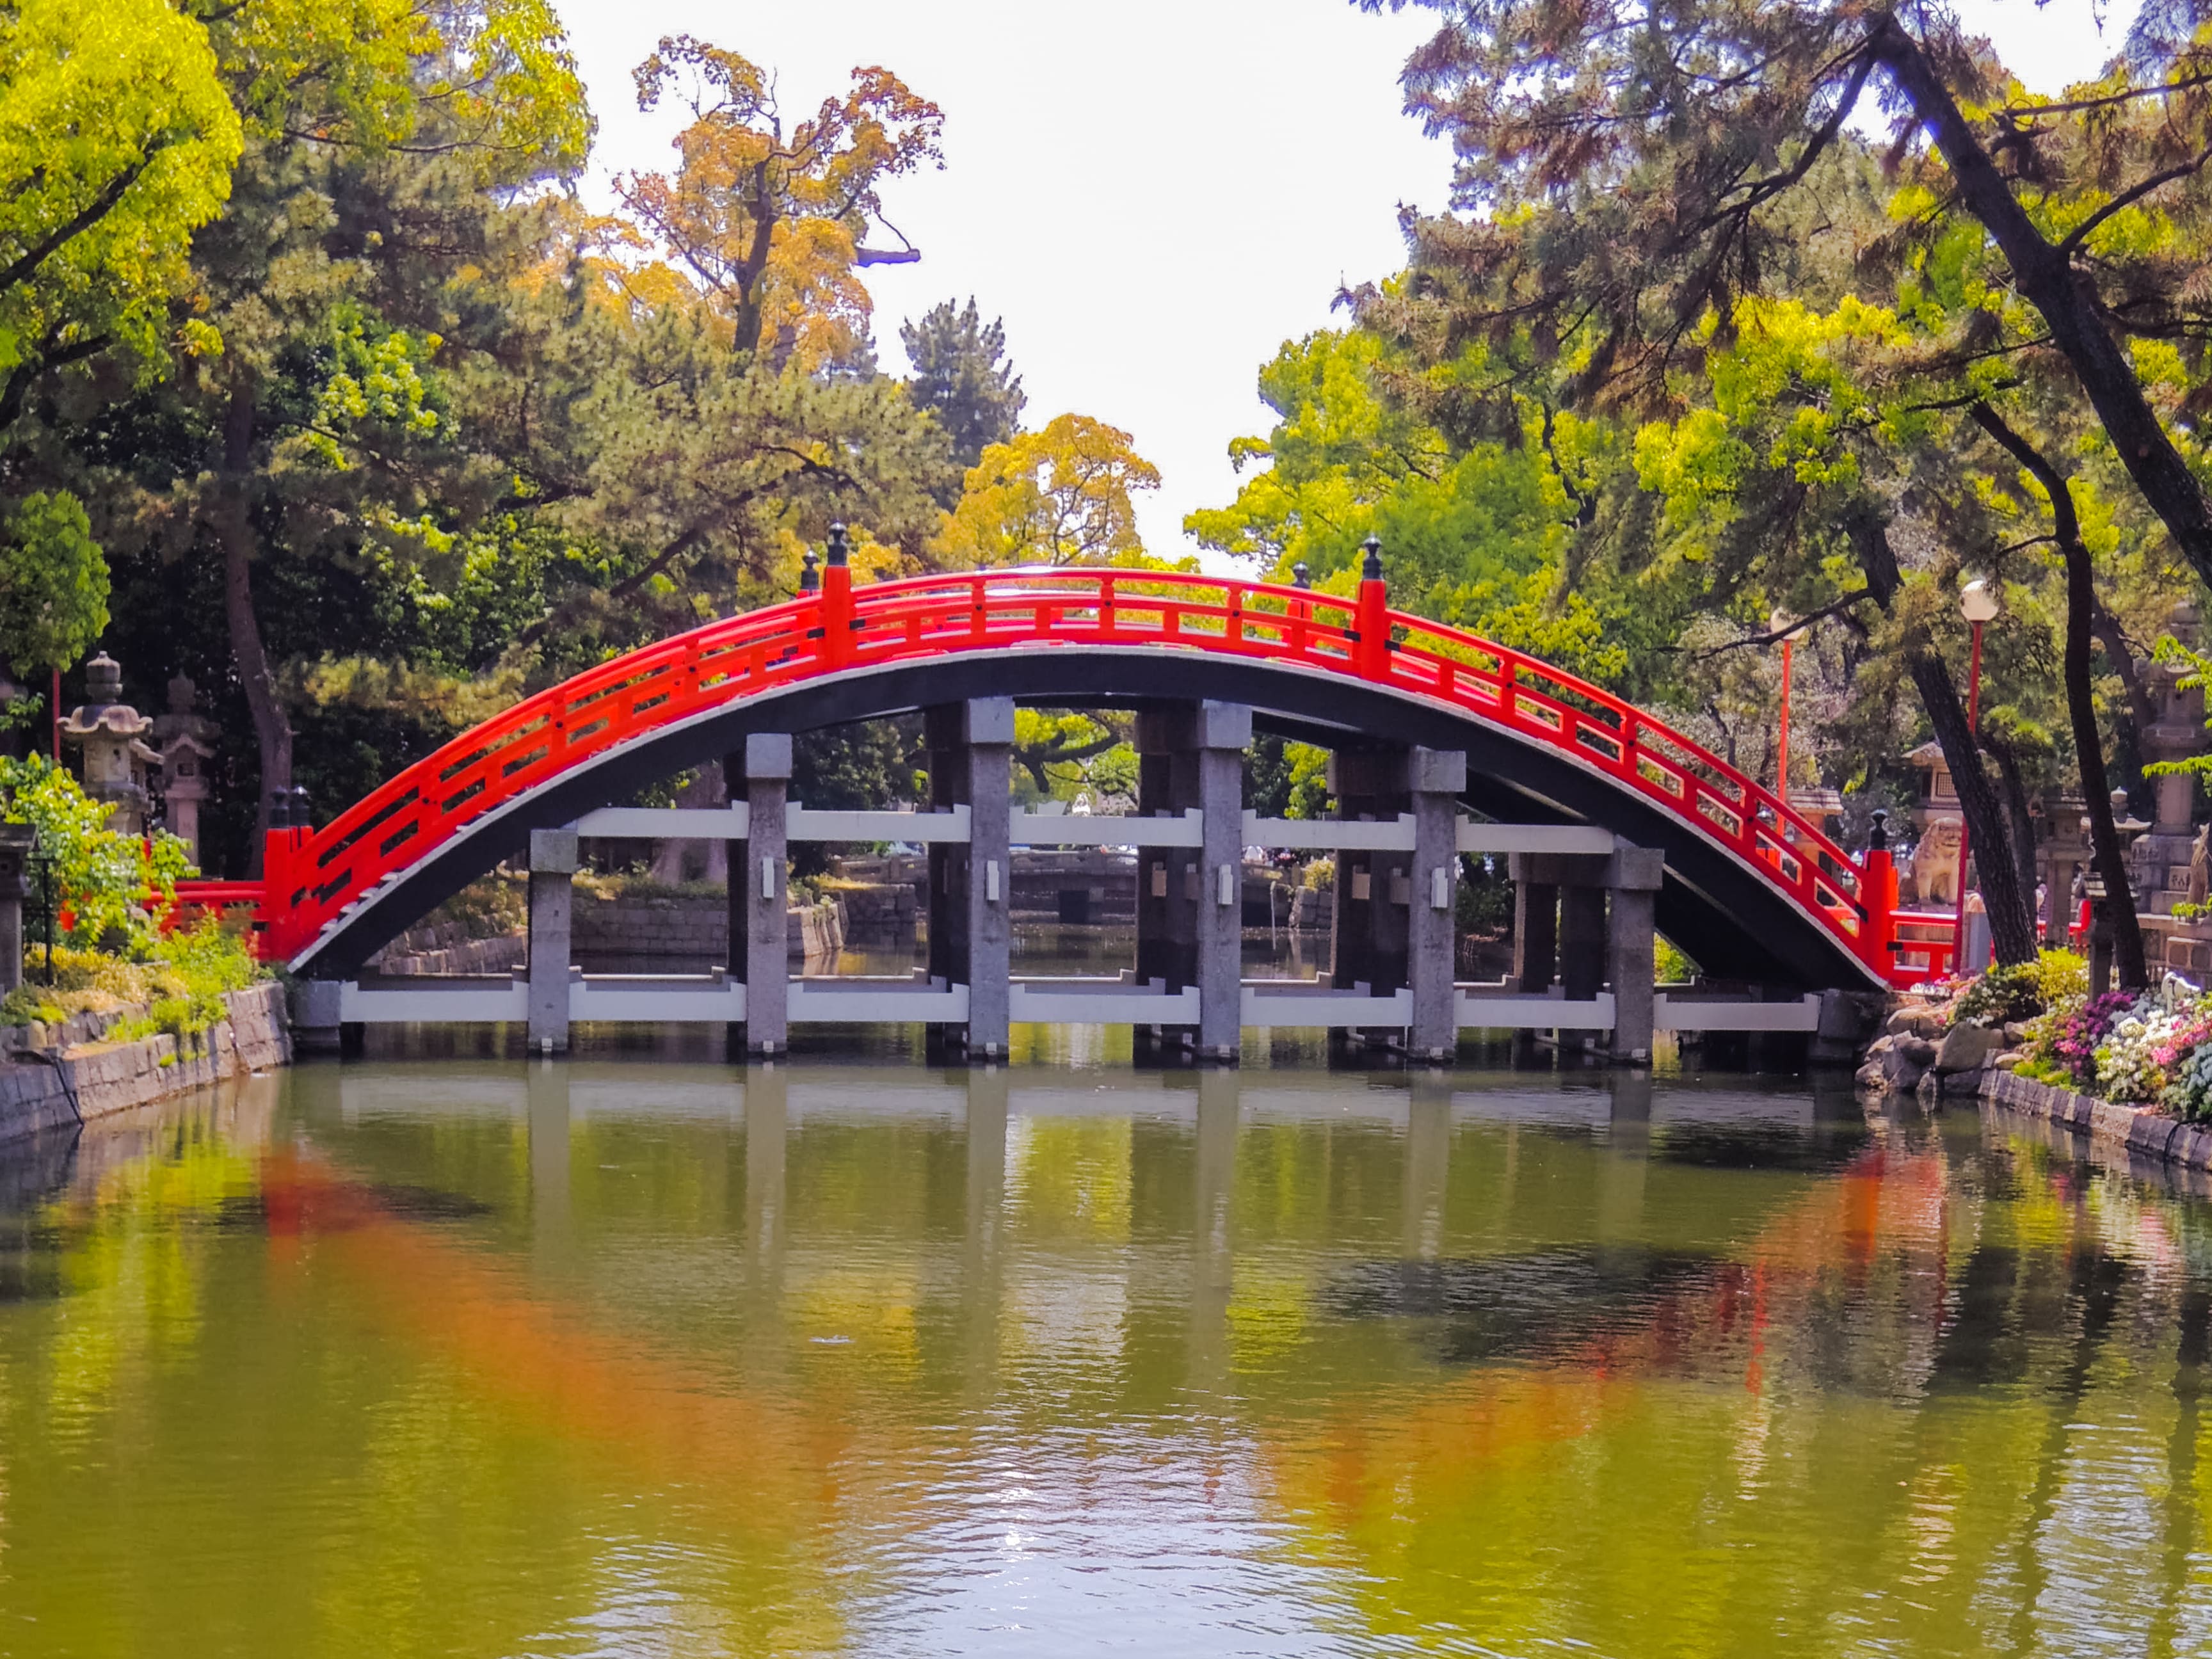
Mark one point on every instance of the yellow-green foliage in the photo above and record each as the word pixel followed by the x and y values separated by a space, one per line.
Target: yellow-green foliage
pixel 2061 974
pixel 180 983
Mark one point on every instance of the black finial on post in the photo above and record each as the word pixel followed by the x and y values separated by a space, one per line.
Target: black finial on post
pixel 303 810
pixel 279 809
pixel 1370 568
pixel 838 548
pixel 1877 836
pixel 1302 575
pixel 810 579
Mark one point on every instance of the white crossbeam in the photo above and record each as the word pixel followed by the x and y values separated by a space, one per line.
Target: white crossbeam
pixel 666 822
pixel 806 823
pixel 1330 835
pixel 1066 830
pixel 473 1002
pixel 1100 1002
pixel 1260 1008
pixel 1483 1011
pixel 657 998
pixel 886 1001
pixel 1474 837
pixel 1674 1014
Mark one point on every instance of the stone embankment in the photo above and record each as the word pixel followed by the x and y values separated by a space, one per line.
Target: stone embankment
pixel 2141 1130
pixel 1915 1055
pixel 57 1076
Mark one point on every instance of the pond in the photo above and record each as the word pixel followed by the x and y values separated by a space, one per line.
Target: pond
pixel 636 1353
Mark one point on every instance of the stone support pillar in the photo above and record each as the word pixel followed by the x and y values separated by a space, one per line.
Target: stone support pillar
pixel 1436 779
pixel 1634 881
pixel 315 1027
pixel 1168 878
pixel 1219 734
pixel 1535 932
pixel 1560 924
pixel 759 899
pixel 1374 891
pixel 971 888
pixel 1190 901
pixel 552 888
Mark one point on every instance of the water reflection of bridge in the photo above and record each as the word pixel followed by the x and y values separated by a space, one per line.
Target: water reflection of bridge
pixel 2005 1357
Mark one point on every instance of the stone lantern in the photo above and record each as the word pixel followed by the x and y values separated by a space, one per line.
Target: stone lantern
pixel 19 843
pixel 2160 859
pixel 186 741
pixel 112 734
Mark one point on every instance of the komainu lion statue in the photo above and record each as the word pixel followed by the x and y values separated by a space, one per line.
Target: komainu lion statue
pixel 1934 872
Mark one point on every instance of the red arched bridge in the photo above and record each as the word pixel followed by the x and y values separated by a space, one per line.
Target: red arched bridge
pixel 1752 889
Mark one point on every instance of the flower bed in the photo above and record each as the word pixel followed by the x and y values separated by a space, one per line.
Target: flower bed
pixel 2152 1048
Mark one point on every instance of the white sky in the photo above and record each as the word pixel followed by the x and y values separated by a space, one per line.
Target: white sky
pixel 1153 195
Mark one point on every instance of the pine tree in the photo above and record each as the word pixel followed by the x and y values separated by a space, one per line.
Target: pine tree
pixel 960 371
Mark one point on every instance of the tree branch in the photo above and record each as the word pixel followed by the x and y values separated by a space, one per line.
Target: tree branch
pixel 2127 198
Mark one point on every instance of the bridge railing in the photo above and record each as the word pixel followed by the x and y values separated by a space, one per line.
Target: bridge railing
pixel 313 877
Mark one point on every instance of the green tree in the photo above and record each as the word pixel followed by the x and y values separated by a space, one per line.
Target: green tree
pixel 357 271
pixel 961 375
pixel 1629 175
pixel 53 584
pixel 117 142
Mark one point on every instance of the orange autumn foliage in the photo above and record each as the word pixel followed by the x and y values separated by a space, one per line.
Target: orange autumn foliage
pixel 767 226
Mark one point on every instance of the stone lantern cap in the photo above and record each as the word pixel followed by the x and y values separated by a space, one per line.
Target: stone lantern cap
pixel 106 713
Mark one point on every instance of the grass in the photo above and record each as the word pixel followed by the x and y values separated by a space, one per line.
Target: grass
pixel 180 986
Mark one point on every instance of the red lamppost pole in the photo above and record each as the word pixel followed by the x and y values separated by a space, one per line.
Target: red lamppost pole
pixel 1978 603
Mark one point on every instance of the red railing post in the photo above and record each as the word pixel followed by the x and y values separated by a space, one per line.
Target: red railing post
pixel 1372 655
pixel 837 602
pixel 1878 894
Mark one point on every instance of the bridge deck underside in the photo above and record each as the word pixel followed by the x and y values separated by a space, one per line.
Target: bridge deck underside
pixel 1734 921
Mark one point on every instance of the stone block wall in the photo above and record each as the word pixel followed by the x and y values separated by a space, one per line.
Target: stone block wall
pixel 52 1084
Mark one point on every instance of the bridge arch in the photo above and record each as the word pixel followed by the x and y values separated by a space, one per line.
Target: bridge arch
pixel 1752 891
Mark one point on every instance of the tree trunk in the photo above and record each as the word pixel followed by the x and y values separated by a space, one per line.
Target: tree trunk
pixel 2111 863
pixel 2022 821
pixel 2140 716
pixel 233 526
pixel 2044 272
pixel 2012 924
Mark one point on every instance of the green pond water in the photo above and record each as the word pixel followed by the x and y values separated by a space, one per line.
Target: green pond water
pixel 644 1354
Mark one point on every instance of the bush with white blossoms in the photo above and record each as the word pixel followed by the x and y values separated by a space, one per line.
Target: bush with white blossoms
pixel 2127 1060
pixel 2156 1047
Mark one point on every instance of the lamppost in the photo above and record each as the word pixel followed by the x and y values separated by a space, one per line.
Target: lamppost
pixel 1978 603
pixel 1781 622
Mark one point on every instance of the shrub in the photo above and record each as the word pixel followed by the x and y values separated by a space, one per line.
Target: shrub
pixel 180 980
pixel 2127 1060
pixel 2189 1088
pixel 2004 995
pixel 106 882
pixel 2061 974
pixel 2066 1038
